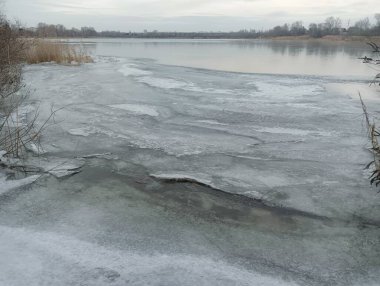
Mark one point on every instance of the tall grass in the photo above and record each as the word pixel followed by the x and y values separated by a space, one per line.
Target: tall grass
pixel 373 129
pixel 42 51
pixel 373 134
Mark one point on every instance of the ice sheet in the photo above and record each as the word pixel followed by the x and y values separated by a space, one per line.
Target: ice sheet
pixel 72 261
pixel 276 137
pixel 288 140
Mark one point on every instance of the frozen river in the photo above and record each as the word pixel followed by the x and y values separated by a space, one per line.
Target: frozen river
pixel 270 133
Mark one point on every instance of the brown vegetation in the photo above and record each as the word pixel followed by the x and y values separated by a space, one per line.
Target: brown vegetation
pixel 18 128
pixel 17 131
pixel 42 51
pixel 13 134
pixel 373 134
pixel 328 38
pixel 373 131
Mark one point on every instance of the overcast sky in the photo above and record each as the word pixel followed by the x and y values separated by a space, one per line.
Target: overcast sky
pixel 184 15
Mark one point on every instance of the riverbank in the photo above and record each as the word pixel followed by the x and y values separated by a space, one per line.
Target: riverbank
pixel 329 38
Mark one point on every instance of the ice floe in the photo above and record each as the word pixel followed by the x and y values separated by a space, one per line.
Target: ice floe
pixel 58 167
pixel 80 131
pixel 131 70
pixel 137 109
pixel 275 137
pixel 9 185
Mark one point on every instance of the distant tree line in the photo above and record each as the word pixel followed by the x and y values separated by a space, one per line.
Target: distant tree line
pixel 331 26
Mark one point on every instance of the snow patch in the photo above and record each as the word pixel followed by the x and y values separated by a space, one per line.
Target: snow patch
pixel 36 149
pixel 8 185
pixel 86 131
pixel 212 122
pixel 65 168
pixel 165 83
pixel 36 258
pixel 292 131
pixel 58 167
pixel 170 83
pixel 108 156
pixel 131 70
pixel 2 153
pixel 80 131
pixel 19 116
pixel 137 109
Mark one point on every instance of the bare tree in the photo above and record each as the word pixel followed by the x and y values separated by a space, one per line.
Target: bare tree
pixel 15 133
pixel 377 18
pixel 363 24
pixel 333 25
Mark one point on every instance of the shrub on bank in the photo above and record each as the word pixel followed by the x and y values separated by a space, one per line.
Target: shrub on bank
pixel 13 133
pixel 17 131
pixel 373 129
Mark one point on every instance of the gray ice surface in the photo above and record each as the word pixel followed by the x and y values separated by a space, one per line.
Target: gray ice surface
pixel 294 143
pixel 287 140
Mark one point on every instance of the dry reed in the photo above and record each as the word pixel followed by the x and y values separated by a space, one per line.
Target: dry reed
pixel 18 127
pixel 373 134
pixel 373 130
pixel 42 51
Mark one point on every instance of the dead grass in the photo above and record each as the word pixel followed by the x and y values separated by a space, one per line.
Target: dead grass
pixel 373 134
pixel 43 51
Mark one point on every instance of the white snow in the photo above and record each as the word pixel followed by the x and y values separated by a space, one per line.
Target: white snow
pixel 212 122
pixel 80 131
pixel 170 83
pixel 131 70
pixel 58 167
pixel 108 156
pixel 146 77
pixel 62 168
pixel 137 109
pixel 25 256
pixel 2 153
pixel 36 149
pixel 292 131
pixel 165 83
pixel 18 117
pixel 9 185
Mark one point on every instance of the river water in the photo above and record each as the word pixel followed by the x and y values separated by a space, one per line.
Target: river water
pixel 205 162
pixel 246 56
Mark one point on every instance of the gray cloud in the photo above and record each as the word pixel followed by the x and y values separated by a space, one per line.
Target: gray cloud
pixel 184 15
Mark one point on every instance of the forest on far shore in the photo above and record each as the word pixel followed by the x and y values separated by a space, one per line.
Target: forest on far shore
pixel 331 26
